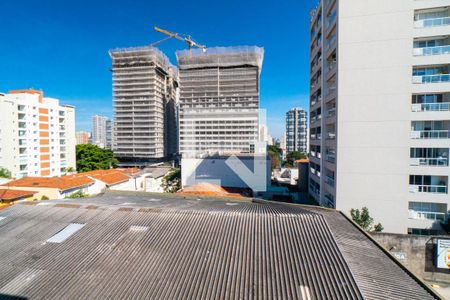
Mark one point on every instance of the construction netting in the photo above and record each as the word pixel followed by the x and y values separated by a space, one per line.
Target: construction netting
pixel 137 55
pixel 220 57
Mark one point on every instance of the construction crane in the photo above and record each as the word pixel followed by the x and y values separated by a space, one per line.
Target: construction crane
pixel 182 37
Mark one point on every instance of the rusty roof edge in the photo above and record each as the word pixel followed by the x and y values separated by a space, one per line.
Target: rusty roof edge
pixel 422 283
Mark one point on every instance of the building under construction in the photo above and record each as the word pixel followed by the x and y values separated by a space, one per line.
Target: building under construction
pixel 145 94
pixel 219 99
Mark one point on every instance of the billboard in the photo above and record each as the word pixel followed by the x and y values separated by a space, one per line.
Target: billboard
pixel 443 254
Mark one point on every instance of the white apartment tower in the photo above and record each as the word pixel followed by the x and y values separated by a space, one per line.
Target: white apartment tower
pixel 37 135
pixel 380 110
pixel 145 91
pixel 99 132
pixel 296 130
pixel 219 100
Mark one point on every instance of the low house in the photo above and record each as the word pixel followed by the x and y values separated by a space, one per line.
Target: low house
pixel 145 180
pixel 52 187
pixel 111 178
pixel 8 196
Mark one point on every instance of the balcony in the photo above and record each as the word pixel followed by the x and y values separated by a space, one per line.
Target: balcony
pixel 423 107
pixel 330 180
pixel 430 129
pixel 430 134
pixel 436 157
pixel 431 74
pixel 426 51
pixel 427 211
pixel 432 22
pixel 428 184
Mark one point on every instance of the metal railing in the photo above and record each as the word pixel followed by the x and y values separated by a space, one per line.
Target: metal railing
pixel 423 161
pixel 437 50
pixel 430 134
pixel 426 215
pixel 433 189
pixel 444 106
pixel 431 78
pixel 432 22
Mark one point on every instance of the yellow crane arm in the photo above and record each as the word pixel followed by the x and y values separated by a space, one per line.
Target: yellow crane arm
pixel 181 38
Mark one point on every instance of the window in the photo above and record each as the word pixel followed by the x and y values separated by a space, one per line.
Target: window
pixel 429 211
pixel 420 231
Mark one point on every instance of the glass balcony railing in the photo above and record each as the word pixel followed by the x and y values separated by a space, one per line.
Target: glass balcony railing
pixel 431 78
pixel 433 189
pixel 430 134
pixel 432 22
pixel 424 161
pixel 426 215
pixel 417 107
pixel 438 50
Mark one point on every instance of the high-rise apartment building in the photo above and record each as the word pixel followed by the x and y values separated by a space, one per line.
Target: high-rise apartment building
pixel 82 137
pixel 37 135
pixel 145 93
pixel 296 130
pixel 380 110
pixel 99 132
pixel 219 99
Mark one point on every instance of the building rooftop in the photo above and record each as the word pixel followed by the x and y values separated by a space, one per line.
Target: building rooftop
pixel 160 246
pixel 62 183
pixel 109 177
pixel 9 195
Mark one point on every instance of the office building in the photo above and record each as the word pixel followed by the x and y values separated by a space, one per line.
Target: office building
pixel 219 100
pixel 145 95
pixel 296 130
pixel 82 137
pixel 380 118
pixel 37 134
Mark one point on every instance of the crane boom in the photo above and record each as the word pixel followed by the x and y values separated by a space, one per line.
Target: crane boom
pixel 191 43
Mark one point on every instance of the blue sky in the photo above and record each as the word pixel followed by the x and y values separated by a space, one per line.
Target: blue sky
pixel 62 47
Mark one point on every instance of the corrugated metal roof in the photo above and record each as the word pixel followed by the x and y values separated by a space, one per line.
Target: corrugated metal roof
pixel 192 248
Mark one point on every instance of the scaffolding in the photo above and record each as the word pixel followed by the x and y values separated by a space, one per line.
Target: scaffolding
pixel 221 57
pixel 219 100
pixel 144 90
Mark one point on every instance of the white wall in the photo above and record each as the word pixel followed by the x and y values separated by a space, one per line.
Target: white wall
pixel 211 170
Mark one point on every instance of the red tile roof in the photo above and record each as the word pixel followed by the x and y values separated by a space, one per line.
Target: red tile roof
pixel 9 195
pixel 110 177
pixel 62 183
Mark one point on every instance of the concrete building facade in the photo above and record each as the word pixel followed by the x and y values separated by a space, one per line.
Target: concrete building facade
pixel 145 94
pixel 296 130
pixel 37 135
pixel 380 117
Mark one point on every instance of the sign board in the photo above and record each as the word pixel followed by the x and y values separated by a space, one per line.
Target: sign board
pixel 443 254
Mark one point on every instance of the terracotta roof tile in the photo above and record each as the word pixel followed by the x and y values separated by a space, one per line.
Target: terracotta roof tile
pixel 6 194
pixel 110 177
pixel 62 183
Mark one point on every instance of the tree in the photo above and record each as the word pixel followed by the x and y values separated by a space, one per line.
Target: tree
pixel 363 219
pixel 5 173
pixel 45 197
pixel 77 194
pixel 171 183
pixel 274 153
pixel 92 157
pixel 293 156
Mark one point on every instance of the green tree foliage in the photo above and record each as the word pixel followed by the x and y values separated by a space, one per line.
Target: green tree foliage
pixel 363 219
pixel 171 183
pixel 45 197
pixel 293 156
pixel 5 173
pixel 274 153
pixel 77 194
pixel 92 157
